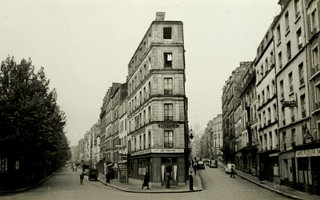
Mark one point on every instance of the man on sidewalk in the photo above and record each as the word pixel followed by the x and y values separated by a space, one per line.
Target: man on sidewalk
pixel 232 172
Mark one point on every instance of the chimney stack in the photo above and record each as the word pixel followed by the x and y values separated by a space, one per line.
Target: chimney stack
pixel 160 16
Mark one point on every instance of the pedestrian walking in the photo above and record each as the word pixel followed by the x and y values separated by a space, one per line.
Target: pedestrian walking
pixel 232 172
pixel 81 178
pixel 107 177
pixel 195 168
pixel 146 181
pixel 168 178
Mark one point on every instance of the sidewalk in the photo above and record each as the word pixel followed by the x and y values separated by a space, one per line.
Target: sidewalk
pixel 280 189
pixel 125 187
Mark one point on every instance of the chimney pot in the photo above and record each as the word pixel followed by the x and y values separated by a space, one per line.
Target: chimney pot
pixel 160 16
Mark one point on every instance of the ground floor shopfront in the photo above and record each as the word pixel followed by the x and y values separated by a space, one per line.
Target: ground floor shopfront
pixel 269 166
pixel 308 169
pixel 247 160
pixel 160 166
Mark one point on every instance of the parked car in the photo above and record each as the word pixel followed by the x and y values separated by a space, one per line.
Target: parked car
pixel 85 170
pixel 213 164
pixel 200 165
pixel 206 161
pixel 93 174
pixel 227 169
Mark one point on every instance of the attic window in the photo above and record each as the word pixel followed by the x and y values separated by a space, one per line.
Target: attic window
pixel 167 33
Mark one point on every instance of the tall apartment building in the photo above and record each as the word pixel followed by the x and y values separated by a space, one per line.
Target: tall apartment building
pixel 217 137
pixel 292 85
pixel 267 107
pixel 109 116
pixel 230 101
pixel 157 105
pixel 308 150
pixel 247 139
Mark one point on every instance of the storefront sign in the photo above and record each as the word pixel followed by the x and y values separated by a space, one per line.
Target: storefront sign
pixel 308 153
pixel 289 104
pixel 167 150
pixel 169 125
pixel 158 151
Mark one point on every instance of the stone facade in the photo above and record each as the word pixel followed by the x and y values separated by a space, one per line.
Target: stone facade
pixel 157 106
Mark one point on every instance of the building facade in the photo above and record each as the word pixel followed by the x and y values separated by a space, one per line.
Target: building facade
pixel 267 108
pixel 157 105
pixel 230 102
pixel 293 94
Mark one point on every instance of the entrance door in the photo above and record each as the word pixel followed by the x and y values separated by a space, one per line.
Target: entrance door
pixel 315 162
pixel 294 179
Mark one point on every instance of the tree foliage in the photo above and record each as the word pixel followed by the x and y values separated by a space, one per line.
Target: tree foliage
pixel 30 119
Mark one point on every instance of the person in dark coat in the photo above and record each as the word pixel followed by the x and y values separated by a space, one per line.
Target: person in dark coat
pixel 146 181
pixel 168 178
pixel 81 178
pixel 232 172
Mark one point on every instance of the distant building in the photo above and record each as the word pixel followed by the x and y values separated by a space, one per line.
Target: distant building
pixel 230 102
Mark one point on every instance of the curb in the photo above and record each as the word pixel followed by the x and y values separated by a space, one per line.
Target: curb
pixel 28 187
pixel 269 188
pixel 146 191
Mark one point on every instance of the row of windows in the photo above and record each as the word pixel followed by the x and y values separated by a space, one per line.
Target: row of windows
pixel 145 69
pixel 146 92
pixel 291 82
pixel 267 93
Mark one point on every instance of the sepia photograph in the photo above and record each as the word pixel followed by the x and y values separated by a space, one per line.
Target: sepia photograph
pixel 159 99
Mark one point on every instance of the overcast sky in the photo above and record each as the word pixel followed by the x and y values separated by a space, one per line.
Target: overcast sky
pixel 84 46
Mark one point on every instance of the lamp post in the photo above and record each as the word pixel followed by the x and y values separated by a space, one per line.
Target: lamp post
pixel 188 166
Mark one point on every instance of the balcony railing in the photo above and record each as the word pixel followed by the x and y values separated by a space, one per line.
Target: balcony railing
pixel 317 105
pixel 314 69
pixel 291 88
pixel 304 113
pixel 168 118
pixel 168 92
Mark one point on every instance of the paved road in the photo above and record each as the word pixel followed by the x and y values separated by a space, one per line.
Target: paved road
pixel 65 185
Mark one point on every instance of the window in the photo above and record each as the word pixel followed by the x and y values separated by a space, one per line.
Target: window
pixel 293 119
pixel 149 138
pixel 299 38
pixel 283 116
pixel 268 93
pixel 280 59
pixel 167 60
pixel 168 139
pixel 150 89
pixel 149 113
pixel 317 96
pixel 314 21
pixel 167 33
pixel 168 112
pixel 284 140
pixel 168 89
pixel 293 137
pixel 286 21
pixel 289 50
pixel 263 98
pixel 144 141
pixel 281 90
pixel 303 105
pixel 297 8
pixel 279 33
pixel 315 60
pixel 290 82
pixel 301 74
